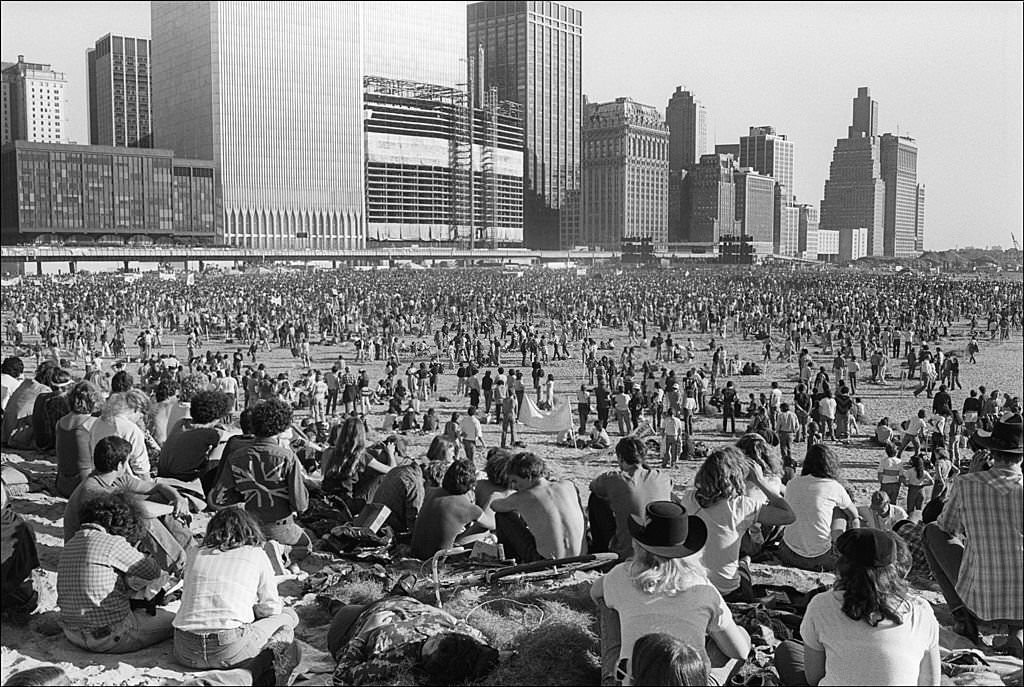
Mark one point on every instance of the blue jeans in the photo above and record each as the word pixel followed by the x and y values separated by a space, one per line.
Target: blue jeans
pixel 229 648
pixel 136 631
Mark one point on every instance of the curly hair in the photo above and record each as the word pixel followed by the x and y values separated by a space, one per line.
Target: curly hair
pixel 459 478
pixel 349 445
pixel 84 398
pixel 527 465
pixel 270 417
pixel 496 466
pixel 721 477
pixel 208 406
pixel 439 448
pixel 875 594
pixel 45 371
pixel 165 388
pixel 117 514
pixel 433 472
pixel 121 381
pixel 232 528
pixel 191 385
pixel 661 659
pixel 821 462
pixel 12 366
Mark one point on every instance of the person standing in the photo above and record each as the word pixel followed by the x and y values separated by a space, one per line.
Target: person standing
pixel 672 434
pixel 729 400
pixel 787 426
pixel 583 407
pixel 472 433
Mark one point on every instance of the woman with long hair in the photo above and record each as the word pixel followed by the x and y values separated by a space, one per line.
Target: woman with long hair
pixel 916 477
pixel 659 659
pixel 820 503
pixel 72 438
pixel 719 497
pixel 663 588
pixel 868 629
pixel 349 469
pixel 124 415
pixel 230 607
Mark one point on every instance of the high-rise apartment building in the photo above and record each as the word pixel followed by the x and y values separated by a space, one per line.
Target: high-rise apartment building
pixel 34 103
pixel 272 93
pixel 855 192
pixel 899 172
pixel 533 53
pixel 713 213
pixel 120 112
pixel 625 174
pixel 687 120
pixel 423 42
pixel 771 154
pixel 755 208
pixel 807 246
pixel 919 220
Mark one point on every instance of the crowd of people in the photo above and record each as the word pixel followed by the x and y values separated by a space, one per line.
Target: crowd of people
pixel 144 437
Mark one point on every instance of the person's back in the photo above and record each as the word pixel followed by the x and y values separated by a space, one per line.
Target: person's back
pixel 186 452
pixel 443 517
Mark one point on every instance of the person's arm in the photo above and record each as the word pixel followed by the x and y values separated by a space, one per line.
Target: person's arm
pixel 814 665
pixel 597 589
pixel 268 602
pixel 169 493
pixel 732 639
pixel 777 511
pixel 505 505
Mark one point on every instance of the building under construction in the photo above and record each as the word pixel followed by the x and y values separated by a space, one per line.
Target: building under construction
pixel 436 174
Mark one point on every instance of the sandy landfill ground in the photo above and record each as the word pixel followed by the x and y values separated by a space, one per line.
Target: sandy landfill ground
pixel 551 626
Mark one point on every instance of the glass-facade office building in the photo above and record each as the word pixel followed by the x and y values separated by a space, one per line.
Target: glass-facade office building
pixel 119 92
pixel 90 194
pixel 533 54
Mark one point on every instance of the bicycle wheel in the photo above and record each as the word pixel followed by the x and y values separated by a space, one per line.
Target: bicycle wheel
pixel 550 568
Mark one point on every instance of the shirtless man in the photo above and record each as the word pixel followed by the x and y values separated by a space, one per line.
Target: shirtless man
pixel 542 519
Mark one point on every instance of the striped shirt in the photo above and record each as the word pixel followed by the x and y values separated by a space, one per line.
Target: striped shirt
pixel 92 589
pixel 987 510
pixel 225 590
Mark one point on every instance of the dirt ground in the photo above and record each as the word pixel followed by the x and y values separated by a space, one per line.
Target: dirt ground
pixel 24 645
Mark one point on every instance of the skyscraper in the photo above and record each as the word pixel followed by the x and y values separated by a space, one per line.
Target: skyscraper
pixel 625 174
pixel 855 191
pixel 687 121
pixel 533 52
pixel 119 92
pixel 808 239
pixel 899 172
pixel 713 212
pixel 423 42
pixel 919 220
pixel 272 93
pixel 771 154
pixel 755 208
pixel 33 103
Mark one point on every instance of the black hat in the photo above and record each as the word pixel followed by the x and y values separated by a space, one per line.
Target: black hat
pixel 1006 437
pixel 668 531
pixel 867 547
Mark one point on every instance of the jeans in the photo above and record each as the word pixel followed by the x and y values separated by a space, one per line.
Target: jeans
pixel 470 447
pixel 516 537
pixel 671 452
pixel 944 553
pixel 786 447
pixel 229 648
pixel 789 662
pixel 826 562
pixel 136 631
pixel 892 489
pixel 288 532
pixel 726 421
pixel 508 426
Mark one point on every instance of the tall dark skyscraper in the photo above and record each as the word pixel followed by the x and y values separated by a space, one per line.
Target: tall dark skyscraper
pixel 120 113
pixel 865 114
pixel 687 121
pixel 533 55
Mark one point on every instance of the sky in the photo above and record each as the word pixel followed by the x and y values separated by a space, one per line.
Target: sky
pixel 950 75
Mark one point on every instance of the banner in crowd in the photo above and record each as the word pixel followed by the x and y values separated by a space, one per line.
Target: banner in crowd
pixel 558 419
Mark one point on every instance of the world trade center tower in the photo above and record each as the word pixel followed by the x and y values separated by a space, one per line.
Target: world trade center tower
pixel 532 55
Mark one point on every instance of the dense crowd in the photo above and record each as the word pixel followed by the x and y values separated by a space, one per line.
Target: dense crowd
pixel 147 435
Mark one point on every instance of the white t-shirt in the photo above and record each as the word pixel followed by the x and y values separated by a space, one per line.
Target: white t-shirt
pixel 813 499
pixel 858 654
pixel 827 407
pixel 470 427
pixel 726 520
pixel 227 384
pixel 689 615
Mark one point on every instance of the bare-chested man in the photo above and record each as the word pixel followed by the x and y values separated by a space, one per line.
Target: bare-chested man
pixel 541 519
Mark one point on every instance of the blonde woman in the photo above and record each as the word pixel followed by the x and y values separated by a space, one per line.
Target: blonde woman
pixel 664 588
pixel 124 415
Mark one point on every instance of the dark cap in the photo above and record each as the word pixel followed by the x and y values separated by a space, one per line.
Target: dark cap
pixel 867 547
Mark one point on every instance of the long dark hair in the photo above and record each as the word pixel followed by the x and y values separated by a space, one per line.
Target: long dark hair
pixel 875 594
pixel 821 462
pixel 233 528
pixel 661 659
pixel 917 462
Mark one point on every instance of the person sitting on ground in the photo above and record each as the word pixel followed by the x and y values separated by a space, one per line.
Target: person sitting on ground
pixel 618 494
pixel 821 503
pixel 230 607
pixel 976 547
pixel 495 486
pixel 11 371
pixel 18 558
pixel 448 511
pixel 379 643
pixel 410 420
pixel 663 588
pixel 16 431
pixel 165 537
pixel 719 497
pixel 350 469
pixel 97 568
pixel 430 421
pixel 550 522
pixel 661 659
pixel 404 487
pixel 882 514
pixel 123 415
pixel 192 453
pixel 599 436
pixel 265 475
pixel 868 629
pixel 50 407
pixel 72 438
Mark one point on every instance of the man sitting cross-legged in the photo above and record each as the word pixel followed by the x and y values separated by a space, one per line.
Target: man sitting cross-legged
pixel 542 519
pixel 447 511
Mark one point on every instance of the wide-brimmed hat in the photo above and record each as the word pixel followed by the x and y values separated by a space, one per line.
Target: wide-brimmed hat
pixel 1006 437
pixel 667 530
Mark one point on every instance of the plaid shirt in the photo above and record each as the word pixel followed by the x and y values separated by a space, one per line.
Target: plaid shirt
pixel 987 510
pixel 92 584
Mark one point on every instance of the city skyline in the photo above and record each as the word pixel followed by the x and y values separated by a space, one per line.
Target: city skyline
pixel 932 69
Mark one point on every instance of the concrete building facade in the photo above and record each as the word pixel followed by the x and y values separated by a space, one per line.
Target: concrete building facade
pixel 853 244
pixel 919 220
pixel 34 106
pixel 272 93
pixel 424 42
pixel 90 194
pixel 714 199
pixel 120 112
pixel 828 245
pixel 771 154
pixel 533 52
pixel 807 245
pixel 755 209
pixel 899 172
pixel 625 174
